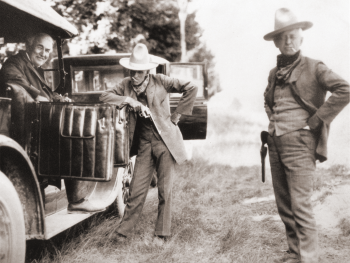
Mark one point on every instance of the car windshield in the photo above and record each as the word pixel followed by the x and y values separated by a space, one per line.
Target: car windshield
pixel 96 79
pixel 193 73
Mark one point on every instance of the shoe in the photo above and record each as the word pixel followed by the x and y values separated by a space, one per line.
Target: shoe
pixel 84 207
pixel 292 260
pixel 164 238
pixel 288 257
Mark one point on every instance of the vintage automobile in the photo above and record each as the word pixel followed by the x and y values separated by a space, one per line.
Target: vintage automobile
pixel 79 140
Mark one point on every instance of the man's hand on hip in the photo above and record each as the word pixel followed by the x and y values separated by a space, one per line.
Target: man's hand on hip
pixel 175 117
pixel 314 122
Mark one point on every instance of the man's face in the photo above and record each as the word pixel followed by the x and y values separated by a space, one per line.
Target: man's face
pixel 289 42
pixel 138 76
pixel 40 51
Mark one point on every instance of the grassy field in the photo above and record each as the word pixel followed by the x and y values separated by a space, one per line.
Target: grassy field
pixel 221 212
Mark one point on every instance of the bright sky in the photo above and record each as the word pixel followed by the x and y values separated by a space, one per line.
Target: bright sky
pixel 234 30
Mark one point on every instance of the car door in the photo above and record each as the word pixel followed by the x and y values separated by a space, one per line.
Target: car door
pixel 193 127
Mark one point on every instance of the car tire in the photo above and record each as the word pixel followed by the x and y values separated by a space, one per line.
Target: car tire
pixel 12 228
pixel 119 205
pixel 123 184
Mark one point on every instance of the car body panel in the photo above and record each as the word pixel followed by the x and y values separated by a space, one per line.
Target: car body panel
pixel 5 116
pixel 16 165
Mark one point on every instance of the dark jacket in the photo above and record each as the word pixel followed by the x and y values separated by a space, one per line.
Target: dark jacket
pixel 19 70
pixel 309 82
pixel 26 83
pixel 158 102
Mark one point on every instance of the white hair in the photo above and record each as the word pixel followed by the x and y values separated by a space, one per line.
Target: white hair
pixel 30 42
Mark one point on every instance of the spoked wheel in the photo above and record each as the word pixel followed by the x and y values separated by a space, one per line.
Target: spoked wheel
pixel 124 181
pixel 12 229
pixel 129 173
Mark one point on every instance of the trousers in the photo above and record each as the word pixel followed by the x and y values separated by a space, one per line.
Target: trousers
pixel 293 164
pixel 152 154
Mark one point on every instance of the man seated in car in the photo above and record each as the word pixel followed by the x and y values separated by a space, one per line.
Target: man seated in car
pixel 24 70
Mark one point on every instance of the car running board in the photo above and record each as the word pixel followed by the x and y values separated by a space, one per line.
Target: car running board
pixel 103 195
pixel 61 221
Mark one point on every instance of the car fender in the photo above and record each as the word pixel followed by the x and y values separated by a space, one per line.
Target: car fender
pixel 16 165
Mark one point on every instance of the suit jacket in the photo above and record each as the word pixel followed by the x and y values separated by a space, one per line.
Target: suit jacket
pixel 158 102
pixel 19 70
pixel 309 82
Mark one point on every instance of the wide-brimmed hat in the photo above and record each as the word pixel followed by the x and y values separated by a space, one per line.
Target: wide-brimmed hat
pixel 139 59
pixel 285 20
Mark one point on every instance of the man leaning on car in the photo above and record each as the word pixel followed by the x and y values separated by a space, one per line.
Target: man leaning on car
pixel 159 142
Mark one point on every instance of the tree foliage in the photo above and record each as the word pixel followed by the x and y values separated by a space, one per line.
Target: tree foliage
pixel 127 22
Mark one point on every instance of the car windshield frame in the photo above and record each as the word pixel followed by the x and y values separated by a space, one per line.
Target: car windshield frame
pixel 92 68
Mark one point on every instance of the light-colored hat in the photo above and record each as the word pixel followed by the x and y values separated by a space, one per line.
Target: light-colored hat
pixel 285 20
pixel 139 59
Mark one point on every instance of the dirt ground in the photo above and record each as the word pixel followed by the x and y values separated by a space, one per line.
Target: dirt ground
pixel 332 212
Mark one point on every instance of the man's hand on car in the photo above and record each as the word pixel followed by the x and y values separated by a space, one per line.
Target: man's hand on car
pixel 134 104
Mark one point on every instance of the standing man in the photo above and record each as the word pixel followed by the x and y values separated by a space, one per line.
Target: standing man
pixel 298 131
pixel 159 143
pixel 23 71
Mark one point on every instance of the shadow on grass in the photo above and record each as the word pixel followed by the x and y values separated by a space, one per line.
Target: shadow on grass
pixel 344 226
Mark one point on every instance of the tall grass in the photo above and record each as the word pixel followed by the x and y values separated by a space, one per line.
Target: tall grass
pixel 210 222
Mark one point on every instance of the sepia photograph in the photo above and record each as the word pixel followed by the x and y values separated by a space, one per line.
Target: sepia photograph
pixel 174 131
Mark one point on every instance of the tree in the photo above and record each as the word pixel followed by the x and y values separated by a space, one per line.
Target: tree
pixel 118 25
pixel 182 16
pixel 107 25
